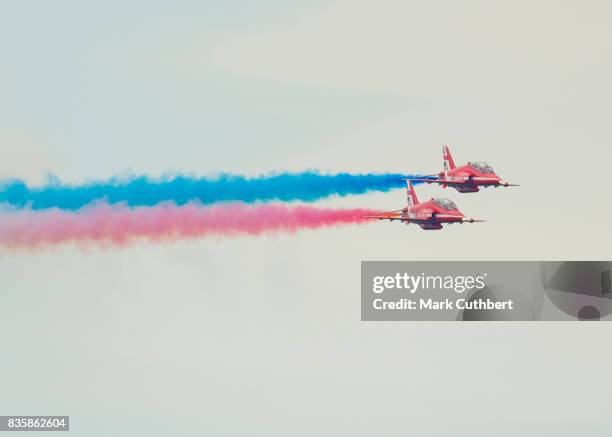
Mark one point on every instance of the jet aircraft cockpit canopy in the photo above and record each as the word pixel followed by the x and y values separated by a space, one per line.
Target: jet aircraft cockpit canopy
pixel 446 204
pixel 482 167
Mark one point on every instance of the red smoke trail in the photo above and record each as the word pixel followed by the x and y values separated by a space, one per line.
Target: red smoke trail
pixel 119 225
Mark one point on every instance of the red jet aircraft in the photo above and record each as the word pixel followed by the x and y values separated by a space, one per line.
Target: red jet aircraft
pixel 430 215
pixel 467 178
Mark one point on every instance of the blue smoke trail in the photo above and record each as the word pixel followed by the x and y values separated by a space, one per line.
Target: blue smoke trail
pixel 144 191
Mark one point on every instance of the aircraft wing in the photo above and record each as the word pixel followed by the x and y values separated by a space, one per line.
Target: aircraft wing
pixel 391 215
pixel 501 183
pixel 463 181
pixel 435 181
pixel 463 220
pixel 440 181
pixel 446 181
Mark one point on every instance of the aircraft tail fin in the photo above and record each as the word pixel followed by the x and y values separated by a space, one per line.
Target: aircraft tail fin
pixel 449 163
pixel 411 194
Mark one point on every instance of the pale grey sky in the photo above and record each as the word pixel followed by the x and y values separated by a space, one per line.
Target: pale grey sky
pixel 261 336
